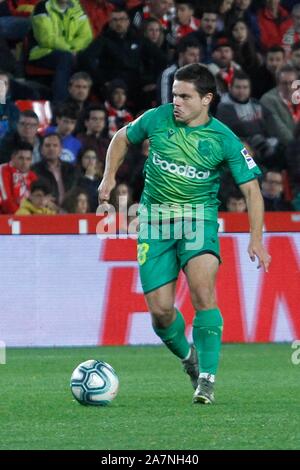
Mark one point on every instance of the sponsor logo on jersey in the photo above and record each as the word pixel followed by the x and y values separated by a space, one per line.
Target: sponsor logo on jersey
pixel 249 160
pixel 182 170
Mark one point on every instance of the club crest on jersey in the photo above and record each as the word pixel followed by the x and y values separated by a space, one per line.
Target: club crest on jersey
pixel 204 146
pixel 170 133
pixel 249 160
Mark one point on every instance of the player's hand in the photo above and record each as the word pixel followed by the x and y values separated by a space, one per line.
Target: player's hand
pixel 257 250
pixel 104 190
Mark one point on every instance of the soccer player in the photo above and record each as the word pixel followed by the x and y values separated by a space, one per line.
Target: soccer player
pixel 187 150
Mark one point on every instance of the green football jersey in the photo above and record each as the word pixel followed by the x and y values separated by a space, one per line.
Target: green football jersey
pixel 184 163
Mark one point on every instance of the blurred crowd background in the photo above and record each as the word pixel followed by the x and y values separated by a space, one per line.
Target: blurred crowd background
pixel 74 72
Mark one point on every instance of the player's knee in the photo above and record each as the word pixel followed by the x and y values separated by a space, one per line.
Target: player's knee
pixel 203 299
pixel 162 314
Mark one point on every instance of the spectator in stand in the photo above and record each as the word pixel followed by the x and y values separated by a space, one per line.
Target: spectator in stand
pixel 117 114
pixel 241 10
pixel 121 199
pixel 293 162
pixel 98 12
pixel 8 61
pixel 157 9
pixel 189 52
pixel 76 202
pixel 60 31
pixel 236 202
pixel 39 200
pixel 223 66
pixel 16 178
pixel 155 33
pixel 119 52
pixel 66 118
pixel 26 131
pixel 153 30
pixel 185 22
pixel 79 89
pixel 279 102
pixel 249 119
pixel 243 46
pixel 153 64
pixel 272 192
pixel 14 18
pixel 273 21
pixel 264 77
pixel 91 170
pixel 288 4
pixel 207 34
pixel 224 8
pixel 292 35
pixel 61 176
pixel 9 113
pixel 95 120
pixel 295 57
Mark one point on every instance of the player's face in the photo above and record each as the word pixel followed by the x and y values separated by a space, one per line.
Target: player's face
pixel 189 106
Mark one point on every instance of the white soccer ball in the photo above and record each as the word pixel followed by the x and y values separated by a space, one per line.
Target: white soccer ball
pixel 94 383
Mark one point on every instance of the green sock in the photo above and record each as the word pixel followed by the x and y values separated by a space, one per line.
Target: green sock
pixel 207 335
pixel 174 336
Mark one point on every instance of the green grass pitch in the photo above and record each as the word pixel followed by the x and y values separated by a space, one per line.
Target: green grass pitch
pixel 257 401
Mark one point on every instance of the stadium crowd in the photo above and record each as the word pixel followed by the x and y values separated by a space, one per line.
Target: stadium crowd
pixel 74 72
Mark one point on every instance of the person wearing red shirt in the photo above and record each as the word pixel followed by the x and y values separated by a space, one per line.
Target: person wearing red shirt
pixel 273 21
pixel 16 178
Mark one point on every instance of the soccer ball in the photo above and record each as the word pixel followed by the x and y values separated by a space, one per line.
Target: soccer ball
pixel 94 383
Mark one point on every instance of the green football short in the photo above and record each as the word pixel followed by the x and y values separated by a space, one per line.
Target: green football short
pixel 164 249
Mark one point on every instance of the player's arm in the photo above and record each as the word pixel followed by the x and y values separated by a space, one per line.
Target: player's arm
pixel 255 205
pixel 114 158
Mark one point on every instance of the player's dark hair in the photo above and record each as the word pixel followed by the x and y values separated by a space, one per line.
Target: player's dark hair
pixel 200 76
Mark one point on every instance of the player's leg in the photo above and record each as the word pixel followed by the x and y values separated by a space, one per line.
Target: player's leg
pixel 208 323
pixel 168 323
pixel 159 267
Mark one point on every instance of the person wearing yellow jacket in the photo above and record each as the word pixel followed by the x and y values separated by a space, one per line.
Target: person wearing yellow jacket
pixel 39 201
pixel 60 29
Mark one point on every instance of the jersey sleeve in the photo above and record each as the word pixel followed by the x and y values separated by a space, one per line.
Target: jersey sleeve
pixel 139 129
pixel 240 161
